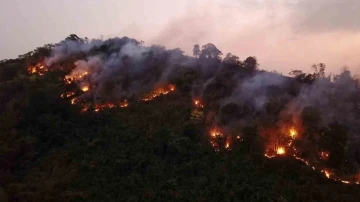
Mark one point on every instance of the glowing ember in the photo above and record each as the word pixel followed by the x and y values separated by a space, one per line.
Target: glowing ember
pixel 324 155
pixel 85 109
pixel 327 173
pixel 124 104
pixel 85 88
pixel 269 156
pixel 227 144
pixel 280 151
pixel 68 94
pixel 73 101
pixel 198 104
pixel 172 87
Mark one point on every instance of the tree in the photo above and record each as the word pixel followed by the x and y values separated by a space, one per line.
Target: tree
pixel 251 63
pixel 73 37
pixel 231 59
pixel 196 50
pixel 209 51
pixel 177 52
pixel 334 140
pixel 357 80
pixel 319 70
pixel 296 73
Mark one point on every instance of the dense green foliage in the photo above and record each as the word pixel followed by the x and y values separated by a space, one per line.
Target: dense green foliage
pixel 154 151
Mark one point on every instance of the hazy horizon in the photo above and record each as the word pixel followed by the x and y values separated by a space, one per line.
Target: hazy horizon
pixel 282 34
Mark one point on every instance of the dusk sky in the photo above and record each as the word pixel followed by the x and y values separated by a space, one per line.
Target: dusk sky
pixel 282 34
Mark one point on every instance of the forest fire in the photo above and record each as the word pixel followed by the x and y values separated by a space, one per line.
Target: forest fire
pixel 99 107
pixel 158 92
pixel 38 69
pixel 272 152
pixel 123 104
pixel 218 140
pixel 101 90
pixel 75 77
pixel 215 132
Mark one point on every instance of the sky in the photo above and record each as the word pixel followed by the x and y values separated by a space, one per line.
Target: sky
pixel 282 34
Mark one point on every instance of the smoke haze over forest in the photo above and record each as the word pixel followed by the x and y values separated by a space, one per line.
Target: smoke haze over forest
pixel 283 35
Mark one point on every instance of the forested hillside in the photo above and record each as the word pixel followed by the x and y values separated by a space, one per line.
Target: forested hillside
pixel 115 120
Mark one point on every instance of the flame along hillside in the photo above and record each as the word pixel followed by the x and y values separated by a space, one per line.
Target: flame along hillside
pixel 285 145
pixel 155 124
pixel 229 95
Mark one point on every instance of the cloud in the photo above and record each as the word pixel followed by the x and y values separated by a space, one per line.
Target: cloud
pixel 268 30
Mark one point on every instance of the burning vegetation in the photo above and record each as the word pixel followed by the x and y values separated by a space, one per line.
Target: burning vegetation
pixel 288 119
pixel 38 69
pixel 158 92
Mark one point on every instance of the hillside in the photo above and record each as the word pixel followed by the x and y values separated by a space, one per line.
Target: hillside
pixel 114 120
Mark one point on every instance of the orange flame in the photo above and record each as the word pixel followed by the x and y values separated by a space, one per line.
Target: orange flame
pixel 38 69
pixel 327 173
pixel 280 151
pixel 73 101
pixel 215 133
pixel 293 133
pixel 227 144
pixel 99 107
pixel 85 88
pixel 75 77
pixel 172 87
pixel 124 104
pixel 198 103
pixel 158 92
pixel 67 94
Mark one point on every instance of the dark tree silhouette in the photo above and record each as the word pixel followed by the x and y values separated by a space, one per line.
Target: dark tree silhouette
pixel 231 59
pixel 251 63
pixel 319 70
pixel 73 37
pixel 196 50
pixel 296 73
pixel 210 51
